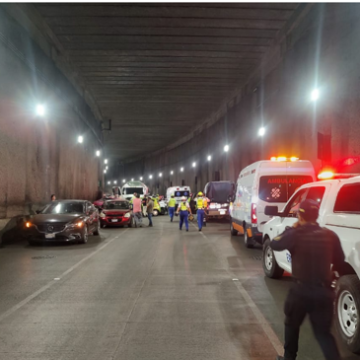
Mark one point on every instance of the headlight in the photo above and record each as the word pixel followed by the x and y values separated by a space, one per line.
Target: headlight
pixel 76 225
pixel 127 215
pixel 28 224
pixel 102 215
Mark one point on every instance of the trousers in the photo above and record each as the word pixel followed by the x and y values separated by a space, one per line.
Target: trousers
pixel 171 213
pixel 184 218
pixel 200 218
pixel 317 302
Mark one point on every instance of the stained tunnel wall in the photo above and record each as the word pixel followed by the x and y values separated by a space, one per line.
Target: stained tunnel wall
pixel 320 52
pixel 40 156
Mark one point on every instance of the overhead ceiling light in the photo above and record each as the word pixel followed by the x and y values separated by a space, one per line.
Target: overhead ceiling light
pixel 132 179
pixel 150 176
pixel 261 131
pixel 109 182
pixel 315 94
pixel 97 153
pixel 209 158
pixel 124 180
pixel 182 169
pixel 80 139
pixel 141 178
pixel 226 148
pixel 194 164
pixel 171 172
pixel 115 182
pixel 40 110
pixel 160 175
pixel 105 161
pixel 105 171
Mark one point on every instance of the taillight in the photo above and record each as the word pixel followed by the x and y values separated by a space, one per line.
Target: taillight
pixel 253 214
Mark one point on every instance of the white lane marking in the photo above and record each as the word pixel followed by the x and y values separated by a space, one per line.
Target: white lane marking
pixel 47 286
pixel 273 338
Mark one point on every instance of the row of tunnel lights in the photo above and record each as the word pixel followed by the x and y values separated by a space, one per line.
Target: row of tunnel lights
pixel 41 111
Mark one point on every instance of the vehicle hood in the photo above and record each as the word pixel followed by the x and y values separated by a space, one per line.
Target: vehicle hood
pixel 116 212
pixel 55 218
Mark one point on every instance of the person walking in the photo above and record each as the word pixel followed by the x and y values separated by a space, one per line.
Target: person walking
pixel 149 209
pixel 184 210
pixel 201 204
pixel 53 197
pixel 144 205
pixel 137 210
pixel 313 249
pixel 171 206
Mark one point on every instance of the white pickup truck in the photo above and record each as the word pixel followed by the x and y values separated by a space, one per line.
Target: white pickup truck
pixel 340 212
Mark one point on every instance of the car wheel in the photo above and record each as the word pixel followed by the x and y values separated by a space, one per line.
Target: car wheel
pixel 155 212
pixel 131 223
pixel 84 235
pixel 233 231
pixel 97 228
pixel 270 266
pixel 347 311
pixel 248 241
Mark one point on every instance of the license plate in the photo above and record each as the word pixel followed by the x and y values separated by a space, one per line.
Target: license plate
pixel 222 212
pixel 114 220
pixel 49 236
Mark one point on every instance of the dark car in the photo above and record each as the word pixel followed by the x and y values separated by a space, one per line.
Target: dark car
pixel 64 221
pixel 116 213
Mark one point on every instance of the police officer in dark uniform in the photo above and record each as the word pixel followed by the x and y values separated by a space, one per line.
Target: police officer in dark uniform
pixel 313 249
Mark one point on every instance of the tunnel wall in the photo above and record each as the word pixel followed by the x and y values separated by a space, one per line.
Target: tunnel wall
pixel 40 155
pixel 320 52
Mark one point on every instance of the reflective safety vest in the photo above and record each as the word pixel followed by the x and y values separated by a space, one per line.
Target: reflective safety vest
pixel 172 202
pixel 183 206
pixel 201 203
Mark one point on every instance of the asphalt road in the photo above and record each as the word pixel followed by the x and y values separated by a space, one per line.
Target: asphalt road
pixel 147 293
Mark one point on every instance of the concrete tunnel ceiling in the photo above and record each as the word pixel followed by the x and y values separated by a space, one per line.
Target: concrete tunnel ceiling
pixel 159 70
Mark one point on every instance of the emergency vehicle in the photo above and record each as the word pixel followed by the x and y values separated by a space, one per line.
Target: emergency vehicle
pixel 267 182
pixel 131 187
pixel 178 192
pixel 339 201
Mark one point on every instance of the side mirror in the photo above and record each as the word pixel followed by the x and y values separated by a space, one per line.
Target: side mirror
pixel 271 210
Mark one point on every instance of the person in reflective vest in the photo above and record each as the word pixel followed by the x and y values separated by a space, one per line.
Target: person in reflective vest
pixel 171 206
pixel 184 210
pixel 201 204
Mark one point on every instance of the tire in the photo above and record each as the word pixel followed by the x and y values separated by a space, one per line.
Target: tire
pixel 155 212
pixel 85 235
pixel 248 241
pixel 233 231
pixel 97 229
pixel 131 223
pixel 347 309
pixel 270 266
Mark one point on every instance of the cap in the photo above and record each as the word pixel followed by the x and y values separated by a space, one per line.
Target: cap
pixel 183 198
pixel 309 208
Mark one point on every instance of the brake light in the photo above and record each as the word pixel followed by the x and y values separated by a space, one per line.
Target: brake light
pixel 253 214
pixel 326 175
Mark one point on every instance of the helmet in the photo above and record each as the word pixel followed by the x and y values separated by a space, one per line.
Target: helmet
pixel 183 198
pixel 200 194
pixel 172 195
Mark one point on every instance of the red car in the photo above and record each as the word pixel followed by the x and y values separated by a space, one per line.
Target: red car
pixel 116 213
pixel 100 202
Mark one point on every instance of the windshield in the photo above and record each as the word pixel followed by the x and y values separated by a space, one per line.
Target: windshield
pixel 132 190
pixel 116 205
pixel 280 188
pixel 64 208
pixel 182 193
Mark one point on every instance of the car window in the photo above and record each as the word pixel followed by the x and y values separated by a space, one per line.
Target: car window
pixel 348 199
pixel 273 188
pixel 117 205
pixel 293 206
pixel 316 194
pixel 64 208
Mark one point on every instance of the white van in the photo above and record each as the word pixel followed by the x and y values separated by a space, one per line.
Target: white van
pixel 179 192
pixel 131 187
pixel 340 212
pixel 268 182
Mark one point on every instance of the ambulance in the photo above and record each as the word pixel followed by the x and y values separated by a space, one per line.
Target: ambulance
pixel 178 192
pixel 267 182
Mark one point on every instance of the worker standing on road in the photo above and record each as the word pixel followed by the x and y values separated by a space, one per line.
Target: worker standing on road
pixel 137 211
pixel 149 209
pixel 201 204
pixel 313 249
pixel 171 206
pixel 184 210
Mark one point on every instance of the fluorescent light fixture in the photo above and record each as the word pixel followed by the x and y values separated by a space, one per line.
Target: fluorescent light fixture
pixel 40 110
